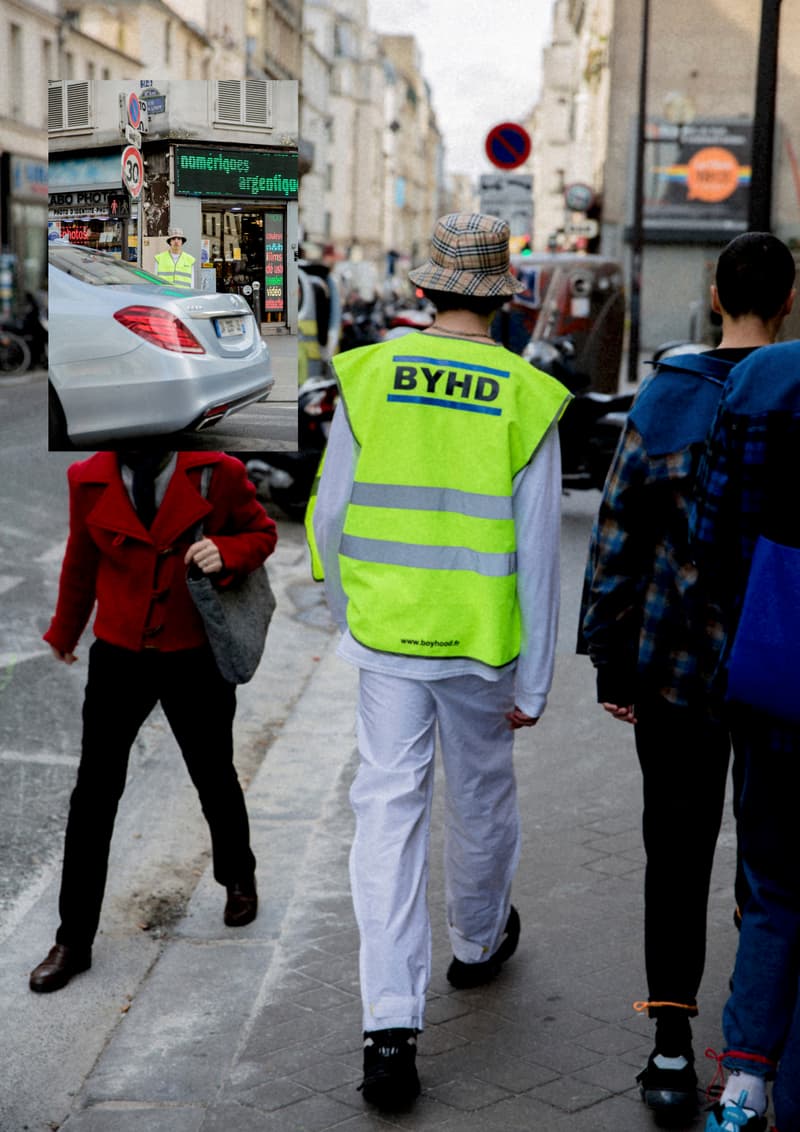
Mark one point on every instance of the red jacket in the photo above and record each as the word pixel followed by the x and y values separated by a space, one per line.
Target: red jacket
pixel 137 576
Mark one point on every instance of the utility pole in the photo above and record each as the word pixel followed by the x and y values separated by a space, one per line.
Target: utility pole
pixel 637 235
pixel 760 210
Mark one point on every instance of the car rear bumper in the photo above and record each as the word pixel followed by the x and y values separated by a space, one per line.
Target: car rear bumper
pixel 156 395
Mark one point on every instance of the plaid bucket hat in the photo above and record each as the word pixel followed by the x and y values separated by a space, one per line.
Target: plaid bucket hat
pixel 469 255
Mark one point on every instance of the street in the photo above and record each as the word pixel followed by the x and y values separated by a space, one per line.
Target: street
pixel 183 1025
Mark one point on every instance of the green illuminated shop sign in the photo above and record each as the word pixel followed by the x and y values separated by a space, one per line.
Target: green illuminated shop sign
pixel 244 173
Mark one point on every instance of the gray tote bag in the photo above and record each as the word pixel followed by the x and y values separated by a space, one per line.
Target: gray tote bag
pixel 237 617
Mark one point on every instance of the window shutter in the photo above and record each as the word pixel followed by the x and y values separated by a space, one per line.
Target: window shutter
pixel 244 102
pixel 68 105
pixel 258 102
pixel 229 101
pixel 55 106
pixel 77 104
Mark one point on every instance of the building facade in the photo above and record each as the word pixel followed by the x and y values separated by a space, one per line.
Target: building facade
pixel 35 40
pixel 414 176
pixel 219 161
pixel 698 136
pixel 369 152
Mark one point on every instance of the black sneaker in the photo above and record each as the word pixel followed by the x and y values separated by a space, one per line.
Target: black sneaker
pixel 667 1087
pixel 390 1070
pixel 463 976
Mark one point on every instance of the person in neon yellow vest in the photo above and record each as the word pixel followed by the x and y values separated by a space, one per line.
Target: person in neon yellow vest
pixel 436 527
pixel 176 266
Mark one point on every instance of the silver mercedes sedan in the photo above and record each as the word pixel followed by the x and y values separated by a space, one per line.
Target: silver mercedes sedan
pixel 131 356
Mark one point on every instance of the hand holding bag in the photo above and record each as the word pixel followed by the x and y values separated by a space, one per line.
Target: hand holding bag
pixel 237 617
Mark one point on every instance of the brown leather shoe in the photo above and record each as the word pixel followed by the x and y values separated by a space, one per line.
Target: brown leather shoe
pixel 242 904
pixel 57 969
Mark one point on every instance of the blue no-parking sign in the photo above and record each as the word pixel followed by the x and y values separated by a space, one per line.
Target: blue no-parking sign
pixel 508 145
pixel 134 111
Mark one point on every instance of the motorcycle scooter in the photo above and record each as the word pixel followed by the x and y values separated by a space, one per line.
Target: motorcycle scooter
pixel 286 478
pixel 592 423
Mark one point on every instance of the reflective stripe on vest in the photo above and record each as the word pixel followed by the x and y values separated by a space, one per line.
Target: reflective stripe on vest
pixel 432 499
pixel 429 557
pixel 178 273
pixel 428 553
pixel 310 363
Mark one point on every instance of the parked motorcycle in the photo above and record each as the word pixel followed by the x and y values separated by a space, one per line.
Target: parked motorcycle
pixel 403 316
pixel 23 340
pixel 286 478
pixel 591 426
pixel 362 324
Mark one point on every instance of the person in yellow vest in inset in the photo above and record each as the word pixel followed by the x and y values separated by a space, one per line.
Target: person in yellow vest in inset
pixel 436 526
pixel 176 266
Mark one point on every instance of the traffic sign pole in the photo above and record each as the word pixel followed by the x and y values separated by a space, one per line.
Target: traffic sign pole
pixel 133 180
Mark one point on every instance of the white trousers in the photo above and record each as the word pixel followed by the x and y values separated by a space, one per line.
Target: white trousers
pixel 391 797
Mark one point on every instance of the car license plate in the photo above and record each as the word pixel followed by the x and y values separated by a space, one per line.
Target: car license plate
pixel 229 327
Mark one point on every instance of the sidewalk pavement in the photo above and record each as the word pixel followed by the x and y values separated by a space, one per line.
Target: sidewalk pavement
pixel 258 1029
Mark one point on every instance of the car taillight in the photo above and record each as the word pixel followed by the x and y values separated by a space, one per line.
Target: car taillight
pixel 159 327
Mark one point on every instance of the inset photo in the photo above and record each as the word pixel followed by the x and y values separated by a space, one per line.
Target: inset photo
pixel 173 283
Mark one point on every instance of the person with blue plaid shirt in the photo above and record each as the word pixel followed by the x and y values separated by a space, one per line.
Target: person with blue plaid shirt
pixel 744 491
pixel 641 626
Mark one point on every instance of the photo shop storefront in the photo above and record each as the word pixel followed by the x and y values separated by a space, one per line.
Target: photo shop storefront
pixel 87 204
pixel 247 204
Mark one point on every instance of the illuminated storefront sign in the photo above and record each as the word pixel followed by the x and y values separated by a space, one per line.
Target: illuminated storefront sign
pixel 274 261
pixel 236 173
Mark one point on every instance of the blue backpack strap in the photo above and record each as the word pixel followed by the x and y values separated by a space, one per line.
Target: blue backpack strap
pixel 701 365
pixel 660 414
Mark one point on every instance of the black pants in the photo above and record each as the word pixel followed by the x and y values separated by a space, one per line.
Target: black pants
pixel 684 759
pixel 122 689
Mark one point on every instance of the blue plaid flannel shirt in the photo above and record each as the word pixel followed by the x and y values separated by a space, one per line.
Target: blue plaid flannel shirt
pixel 639 612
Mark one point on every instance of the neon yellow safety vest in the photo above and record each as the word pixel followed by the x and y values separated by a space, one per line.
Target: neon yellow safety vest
pixel 428 552
pixel 317 566
pixel 178 273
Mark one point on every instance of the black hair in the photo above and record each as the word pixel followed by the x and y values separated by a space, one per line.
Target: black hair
pixel 477 304
pixel 755 274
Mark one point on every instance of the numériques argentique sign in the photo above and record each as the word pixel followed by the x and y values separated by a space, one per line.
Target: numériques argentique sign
pixel 242 173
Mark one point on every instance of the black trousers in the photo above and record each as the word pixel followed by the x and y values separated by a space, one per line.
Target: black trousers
pixel 122 689
pixel 684 758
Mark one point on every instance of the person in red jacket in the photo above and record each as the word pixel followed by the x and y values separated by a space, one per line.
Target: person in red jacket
pixel 133 518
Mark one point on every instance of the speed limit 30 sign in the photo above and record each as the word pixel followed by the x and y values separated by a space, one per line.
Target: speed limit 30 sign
pixel 132 170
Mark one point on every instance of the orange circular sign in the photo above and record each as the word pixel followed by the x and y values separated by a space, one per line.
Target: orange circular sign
pixel 712 174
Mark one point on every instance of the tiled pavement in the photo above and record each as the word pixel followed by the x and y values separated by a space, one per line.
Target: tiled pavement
pixel 261 1032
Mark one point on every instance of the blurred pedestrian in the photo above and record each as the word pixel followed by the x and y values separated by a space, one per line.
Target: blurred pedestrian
pixel 176 266
pixel 437 526
pixel 743 498
pixel 131 538
pixel 641 625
